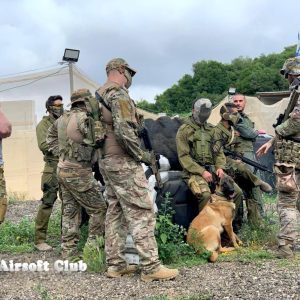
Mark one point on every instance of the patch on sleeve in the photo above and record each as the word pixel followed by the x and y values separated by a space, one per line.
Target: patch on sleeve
pixel 125 109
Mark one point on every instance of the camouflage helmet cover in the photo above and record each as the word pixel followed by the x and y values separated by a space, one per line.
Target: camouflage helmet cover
pixel 79 95
pixel 291 66
pixel 116 63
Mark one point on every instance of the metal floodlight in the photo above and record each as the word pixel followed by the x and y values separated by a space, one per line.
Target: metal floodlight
pixel 231 91
pixel 71 55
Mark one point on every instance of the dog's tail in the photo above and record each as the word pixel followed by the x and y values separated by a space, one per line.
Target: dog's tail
pixel 214 256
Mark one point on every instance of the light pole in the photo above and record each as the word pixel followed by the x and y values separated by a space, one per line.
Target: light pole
pixel 71 56
pixel 231 92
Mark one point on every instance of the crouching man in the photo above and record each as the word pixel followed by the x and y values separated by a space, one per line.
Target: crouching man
pixel 72 138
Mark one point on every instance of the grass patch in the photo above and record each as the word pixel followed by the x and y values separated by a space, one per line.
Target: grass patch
pixel 19 237
pixel 248 254
pixel 15 197
pixel 94 255
pixel 42 291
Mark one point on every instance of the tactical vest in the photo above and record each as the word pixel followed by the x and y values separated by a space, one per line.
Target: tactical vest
pixel 201 143
pixel 228 136
pixel 287 151
pixel 71 141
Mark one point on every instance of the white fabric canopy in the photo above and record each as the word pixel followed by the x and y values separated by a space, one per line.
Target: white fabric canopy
pixel 261 114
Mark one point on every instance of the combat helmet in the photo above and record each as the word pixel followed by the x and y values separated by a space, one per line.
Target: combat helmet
pixel 91 104
pixel 291 66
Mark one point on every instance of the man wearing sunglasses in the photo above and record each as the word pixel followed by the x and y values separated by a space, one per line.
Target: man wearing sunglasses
pixel 130 208
pixel 49 184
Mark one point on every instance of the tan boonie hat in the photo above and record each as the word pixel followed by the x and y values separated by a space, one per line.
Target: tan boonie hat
pixel 79 95
pixel 291 66
pixel 115 63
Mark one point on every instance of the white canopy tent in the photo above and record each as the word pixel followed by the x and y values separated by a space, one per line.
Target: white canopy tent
pixel 38 86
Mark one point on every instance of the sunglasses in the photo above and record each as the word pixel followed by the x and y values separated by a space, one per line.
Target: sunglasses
pixel 131 72
pixel 58 105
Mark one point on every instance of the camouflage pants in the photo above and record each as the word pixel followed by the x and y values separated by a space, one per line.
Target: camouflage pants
pixel 3 196
pixel 80 189
pixel 49 186
pixel 129 211
pixel 287 211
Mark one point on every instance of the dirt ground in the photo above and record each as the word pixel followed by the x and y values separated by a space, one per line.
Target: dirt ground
pixel 264 279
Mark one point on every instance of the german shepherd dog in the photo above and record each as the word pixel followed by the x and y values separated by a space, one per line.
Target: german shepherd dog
pixel 217 215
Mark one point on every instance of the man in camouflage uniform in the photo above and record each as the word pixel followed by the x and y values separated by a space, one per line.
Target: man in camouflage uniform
pixel 72 138
pixel 246 135
pixel 5 131
pixel 241 173
pixel 130 209
pixel 49 184
pixel 198 155
pixel 287 165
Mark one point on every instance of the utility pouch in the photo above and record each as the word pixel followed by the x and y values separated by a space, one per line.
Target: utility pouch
pixel 285 177
pixel 194 186
pixel 100 134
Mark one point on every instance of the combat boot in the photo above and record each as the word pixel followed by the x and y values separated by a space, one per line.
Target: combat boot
pixel 163 273
pixel 264 186
pixel 113 272
pixel 284 252
pixel 43 247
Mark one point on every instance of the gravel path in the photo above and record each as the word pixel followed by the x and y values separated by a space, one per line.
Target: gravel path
pixel 264 279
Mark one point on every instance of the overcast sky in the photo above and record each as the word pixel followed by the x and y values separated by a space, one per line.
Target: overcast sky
pixel 161 39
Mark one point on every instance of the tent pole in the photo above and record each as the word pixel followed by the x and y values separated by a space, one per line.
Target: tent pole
pixel 71 78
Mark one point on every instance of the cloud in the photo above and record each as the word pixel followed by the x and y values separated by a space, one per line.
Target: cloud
pixel 161 39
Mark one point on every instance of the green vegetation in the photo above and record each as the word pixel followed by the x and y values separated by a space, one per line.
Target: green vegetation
pixel 19 237
pixel 94 255
pixel 171 247
pixel 211 79
pixel 14 197
pixel 43 292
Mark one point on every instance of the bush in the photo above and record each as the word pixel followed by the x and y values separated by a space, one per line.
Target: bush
pixel 170 238
pixel 94 255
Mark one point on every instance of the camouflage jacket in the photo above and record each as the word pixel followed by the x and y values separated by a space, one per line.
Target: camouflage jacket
pixel 41 134
pixel 195 147
pixel 291 127
pixel 126 120
pixel 245 127
pixel 287 150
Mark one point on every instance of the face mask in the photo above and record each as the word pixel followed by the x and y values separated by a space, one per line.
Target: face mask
pixel 129 78
pixel 202 111
pixel 56 111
